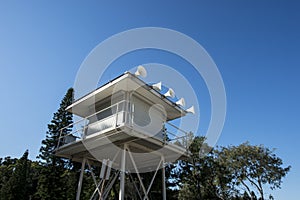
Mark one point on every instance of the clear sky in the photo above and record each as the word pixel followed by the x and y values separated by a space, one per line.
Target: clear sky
pixel 255 45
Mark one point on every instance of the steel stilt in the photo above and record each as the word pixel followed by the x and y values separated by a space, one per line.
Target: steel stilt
pixel 80 179
pixel 122 178
pixel 163 179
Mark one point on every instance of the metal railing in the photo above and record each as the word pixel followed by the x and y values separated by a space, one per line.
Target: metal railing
pixel 111 117
pixel 177 135
pixel 101 120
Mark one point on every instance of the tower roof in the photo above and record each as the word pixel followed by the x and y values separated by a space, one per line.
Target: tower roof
pixel 125 82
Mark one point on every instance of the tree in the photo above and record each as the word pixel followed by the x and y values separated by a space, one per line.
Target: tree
pixel 6 170
pixel 17 186
pixel 202 176
pixel 253 167
pixel 52 183
pixel 189 170
pixel 61 119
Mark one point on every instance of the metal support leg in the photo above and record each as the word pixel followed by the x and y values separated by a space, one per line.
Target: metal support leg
pixel 122 179
pixel 80 179
pixel 164 179
pixel 153 178
pixel 94 179
pixel 106 191
pixel 138 174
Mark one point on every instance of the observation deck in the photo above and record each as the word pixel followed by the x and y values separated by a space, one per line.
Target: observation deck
pixel 125 111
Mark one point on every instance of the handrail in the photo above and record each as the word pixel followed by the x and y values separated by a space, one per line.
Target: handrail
pixel 85 118
pixel 177 128
pixel 85 125
pixel 177 137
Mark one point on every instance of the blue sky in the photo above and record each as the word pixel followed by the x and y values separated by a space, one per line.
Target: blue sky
pixel 255 45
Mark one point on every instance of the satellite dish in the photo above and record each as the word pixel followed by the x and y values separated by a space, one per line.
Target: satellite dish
pixel 191 110
pixel 141 71
pixel 157 86
pixel 181 102
pixel 170 93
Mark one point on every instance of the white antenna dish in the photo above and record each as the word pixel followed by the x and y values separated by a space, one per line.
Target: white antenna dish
pixel 157 86
pixel 191 110
pixel 141 71
pixel 181 102
pixel 170 93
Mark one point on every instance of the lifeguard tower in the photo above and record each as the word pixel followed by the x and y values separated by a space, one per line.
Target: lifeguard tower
pixel 124 126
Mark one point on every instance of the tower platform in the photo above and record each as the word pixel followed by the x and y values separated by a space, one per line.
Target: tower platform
pixel 146 150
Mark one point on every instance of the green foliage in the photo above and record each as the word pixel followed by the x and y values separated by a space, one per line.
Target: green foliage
pixel 253 167
pixel 234 172
pixel 6 171
pixel 201 175
pixel 61 119
pixel 17 184
pixel 53 182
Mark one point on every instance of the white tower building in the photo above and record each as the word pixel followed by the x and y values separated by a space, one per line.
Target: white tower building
pixel 123 127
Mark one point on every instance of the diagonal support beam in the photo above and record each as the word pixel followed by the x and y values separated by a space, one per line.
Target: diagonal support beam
pixel 153 178
pixel 94 179
pixel 138 174
pixel 135 186
pixel 106 191
pixel 160 164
